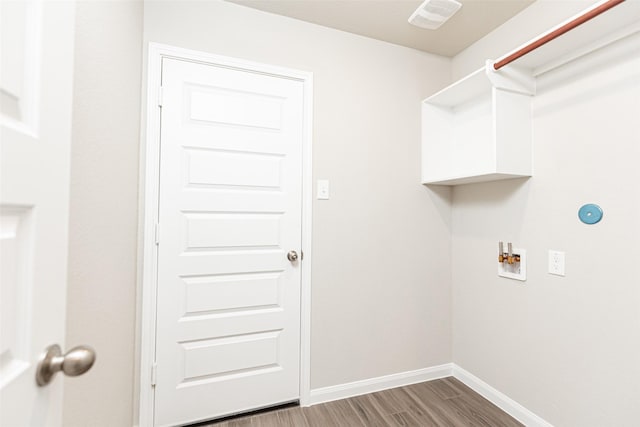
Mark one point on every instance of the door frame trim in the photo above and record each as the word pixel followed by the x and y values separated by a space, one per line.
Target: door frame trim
pixel 147 218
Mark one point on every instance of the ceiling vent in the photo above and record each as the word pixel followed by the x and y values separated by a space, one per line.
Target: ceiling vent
pixel 433 13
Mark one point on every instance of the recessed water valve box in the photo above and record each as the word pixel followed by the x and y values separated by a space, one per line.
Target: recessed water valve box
pixel 516 270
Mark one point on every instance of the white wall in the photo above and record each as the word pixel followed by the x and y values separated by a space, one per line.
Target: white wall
pixel 103 210
pixel 566 348
pixel 381 267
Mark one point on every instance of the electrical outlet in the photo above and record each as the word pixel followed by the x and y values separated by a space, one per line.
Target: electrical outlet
pixel 556 263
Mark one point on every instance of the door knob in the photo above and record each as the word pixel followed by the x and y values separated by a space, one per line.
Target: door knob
pixel 292 256
pixel 74 362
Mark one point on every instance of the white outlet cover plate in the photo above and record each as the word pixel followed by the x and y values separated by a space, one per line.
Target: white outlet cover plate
pixel 556 263
pixel 515 271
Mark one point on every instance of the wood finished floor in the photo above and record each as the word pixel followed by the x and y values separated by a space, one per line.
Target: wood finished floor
pixel 444 402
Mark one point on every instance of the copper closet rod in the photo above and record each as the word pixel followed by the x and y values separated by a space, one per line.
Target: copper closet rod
pixel 557 33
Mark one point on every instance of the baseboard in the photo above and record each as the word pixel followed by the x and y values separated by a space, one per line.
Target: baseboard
pixel 499 399
pixel 356 388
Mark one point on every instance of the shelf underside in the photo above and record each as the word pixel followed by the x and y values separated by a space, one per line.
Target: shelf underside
pixel 458 180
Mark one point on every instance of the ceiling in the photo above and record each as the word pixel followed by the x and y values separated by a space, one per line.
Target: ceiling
pixel 387 20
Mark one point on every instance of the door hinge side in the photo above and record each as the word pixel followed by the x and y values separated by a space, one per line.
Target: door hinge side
pixel 154 370
pixel 160 91
pixel 157 233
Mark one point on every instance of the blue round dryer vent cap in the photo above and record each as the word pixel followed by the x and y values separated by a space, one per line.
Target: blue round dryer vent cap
pixel 590 214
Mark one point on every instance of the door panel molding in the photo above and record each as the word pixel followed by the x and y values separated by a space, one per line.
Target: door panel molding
pixel 36 106
pixel 148 214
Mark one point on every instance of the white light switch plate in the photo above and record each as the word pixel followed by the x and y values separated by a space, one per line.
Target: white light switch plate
pixel 556 263
pixel 516 271
pixel 323 189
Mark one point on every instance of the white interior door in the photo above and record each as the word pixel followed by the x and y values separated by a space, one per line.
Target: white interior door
pixel 228 298
pixel 35 114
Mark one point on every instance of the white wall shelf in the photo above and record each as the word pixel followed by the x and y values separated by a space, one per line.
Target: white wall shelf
pixel 479 128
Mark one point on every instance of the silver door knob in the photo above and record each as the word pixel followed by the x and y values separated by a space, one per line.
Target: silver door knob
pixel 292 256
pixel 74 362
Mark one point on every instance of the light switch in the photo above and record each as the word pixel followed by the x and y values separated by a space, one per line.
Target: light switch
pixel 556 263
pixel 323 189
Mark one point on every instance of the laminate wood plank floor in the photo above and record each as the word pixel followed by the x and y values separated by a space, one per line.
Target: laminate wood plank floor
pixel 445 402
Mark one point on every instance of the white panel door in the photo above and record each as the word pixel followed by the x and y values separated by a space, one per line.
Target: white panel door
pixel 228 299
pixel 35 120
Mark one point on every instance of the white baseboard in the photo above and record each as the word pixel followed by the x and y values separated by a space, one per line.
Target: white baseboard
pixel 356 388
pixel 372 385
pixel 499 399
